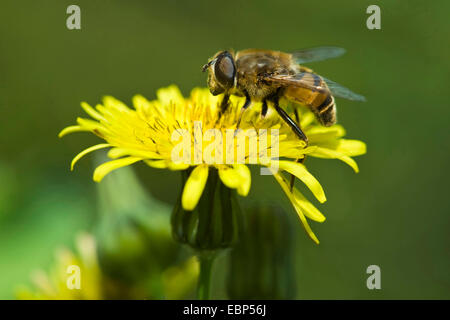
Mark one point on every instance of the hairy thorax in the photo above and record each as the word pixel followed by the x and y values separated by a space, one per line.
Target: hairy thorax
pixel 253 64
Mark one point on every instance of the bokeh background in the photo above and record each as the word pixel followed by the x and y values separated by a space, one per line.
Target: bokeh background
pixel 394 213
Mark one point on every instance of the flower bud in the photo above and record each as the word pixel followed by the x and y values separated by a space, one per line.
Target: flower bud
pixel 215 221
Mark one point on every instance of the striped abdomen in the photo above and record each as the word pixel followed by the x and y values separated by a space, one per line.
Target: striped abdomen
pixel 317 97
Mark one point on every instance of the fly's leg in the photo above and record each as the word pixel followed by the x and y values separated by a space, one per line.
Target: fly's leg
pixel 264 109
pixel 224 103
pixel 294 126
pixel 244 107
pixel 223 106
pixel 297 118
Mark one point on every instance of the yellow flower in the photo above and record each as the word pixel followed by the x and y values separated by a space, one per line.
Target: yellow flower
pixel 73 277
pixel 78 276
pixel 152 131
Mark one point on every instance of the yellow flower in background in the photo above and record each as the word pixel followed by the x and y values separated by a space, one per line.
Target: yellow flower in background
pixel 152 131
pixel 79 276
pixel 73 277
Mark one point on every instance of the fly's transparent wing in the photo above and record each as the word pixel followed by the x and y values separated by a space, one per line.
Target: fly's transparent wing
pixel 317 54
pixel 315 83
pixel 342 92
pixel 305 80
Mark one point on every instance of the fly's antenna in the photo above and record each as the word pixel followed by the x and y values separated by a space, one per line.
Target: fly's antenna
pixel 206 66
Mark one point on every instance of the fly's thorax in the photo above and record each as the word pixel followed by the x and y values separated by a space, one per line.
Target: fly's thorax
pixel 256 89
pixel 252 64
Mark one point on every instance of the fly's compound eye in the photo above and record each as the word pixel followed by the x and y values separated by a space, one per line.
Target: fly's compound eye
pixel 224 70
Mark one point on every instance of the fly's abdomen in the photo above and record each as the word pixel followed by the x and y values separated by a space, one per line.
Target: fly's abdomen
pixel 321 103
pixel 326 111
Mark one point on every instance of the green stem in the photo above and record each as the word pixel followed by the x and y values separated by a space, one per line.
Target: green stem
pixel 206 260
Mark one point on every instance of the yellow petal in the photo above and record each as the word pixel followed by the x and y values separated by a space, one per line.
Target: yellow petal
pixel 294 152
pixel 351 148
pixel 177 166
pixel 300 171
pixel 158 164
pixel 306 225
pixel 238 177
pixel 308 208
pixel 169 95
pixel 102 170
pixel 91 111
pixel 200 96
pixel 115 153
pixel 122 152
pixel 113 103
pixel 86 151
pixel 284 185
pixel 229 177
pixel 193 187
pixel 320 134
pixel 306 119
pixel 332 154
pixel 140 102
pixel 89 124
pixel 245 178
pixel 71 129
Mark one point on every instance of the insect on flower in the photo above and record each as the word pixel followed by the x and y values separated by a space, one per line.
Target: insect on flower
pixel 266 75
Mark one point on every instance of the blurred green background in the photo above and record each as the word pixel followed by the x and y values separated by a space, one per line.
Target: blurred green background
pixel 394 213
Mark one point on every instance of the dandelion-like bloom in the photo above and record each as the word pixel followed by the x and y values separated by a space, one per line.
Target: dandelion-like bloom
pixel 75 276
pixel 152 131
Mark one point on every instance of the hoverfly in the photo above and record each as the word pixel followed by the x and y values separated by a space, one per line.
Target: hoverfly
pixel 266 75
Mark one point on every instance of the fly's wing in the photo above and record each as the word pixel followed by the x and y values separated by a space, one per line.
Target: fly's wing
pixel 314 82
pixel 340 91
pixel 305 80
pixel 317 54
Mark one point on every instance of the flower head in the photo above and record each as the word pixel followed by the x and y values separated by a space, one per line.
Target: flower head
pixel 71 271
pixel 176 133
